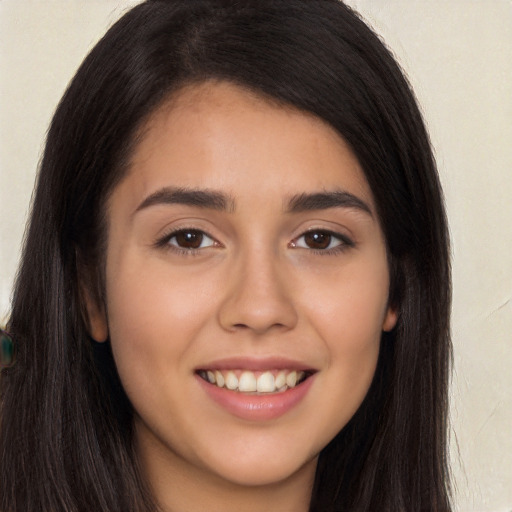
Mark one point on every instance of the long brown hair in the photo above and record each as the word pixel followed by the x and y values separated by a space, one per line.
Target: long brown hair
pixel 66 429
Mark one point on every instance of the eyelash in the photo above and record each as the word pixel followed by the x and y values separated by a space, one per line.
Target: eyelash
pixel 164 241
pixel 345 242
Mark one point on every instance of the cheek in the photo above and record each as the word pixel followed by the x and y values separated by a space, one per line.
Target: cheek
pixel 154 317
pixel 347 311
pixel 349 306
pixel 147 296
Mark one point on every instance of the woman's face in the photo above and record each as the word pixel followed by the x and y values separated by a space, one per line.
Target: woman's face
pixel 244 247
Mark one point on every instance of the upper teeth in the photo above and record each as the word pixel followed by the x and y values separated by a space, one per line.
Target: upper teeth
pixel 251 382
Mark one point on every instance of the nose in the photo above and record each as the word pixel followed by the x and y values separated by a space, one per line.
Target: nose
pixel 258 298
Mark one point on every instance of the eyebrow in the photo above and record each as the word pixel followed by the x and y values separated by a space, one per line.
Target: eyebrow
pixel 200 198
pixel 214 200
pixel 326 200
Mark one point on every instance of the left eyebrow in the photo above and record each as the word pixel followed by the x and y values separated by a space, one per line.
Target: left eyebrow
pixel 199 198
pixel 325 200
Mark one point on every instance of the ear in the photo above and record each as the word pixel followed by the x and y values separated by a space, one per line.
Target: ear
pixel 390 319
pixel 95 316
pixel 92 307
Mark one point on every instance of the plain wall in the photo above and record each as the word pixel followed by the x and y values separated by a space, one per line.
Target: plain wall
pixel 458 56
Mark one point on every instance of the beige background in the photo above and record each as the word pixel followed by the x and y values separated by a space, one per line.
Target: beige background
pixel 458 56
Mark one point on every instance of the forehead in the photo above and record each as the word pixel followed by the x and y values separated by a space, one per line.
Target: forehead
pixel 218 135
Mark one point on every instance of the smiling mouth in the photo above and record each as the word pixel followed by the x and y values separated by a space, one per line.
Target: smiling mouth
pixel 259 382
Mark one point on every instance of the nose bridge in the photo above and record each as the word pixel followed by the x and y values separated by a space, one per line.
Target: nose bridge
pixel 258 296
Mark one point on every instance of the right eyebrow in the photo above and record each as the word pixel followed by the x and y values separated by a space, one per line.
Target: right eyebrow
pixel 325 200
pixel 200 198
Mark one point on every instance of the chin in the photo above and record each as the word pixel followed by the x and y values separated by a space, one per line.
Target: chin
pixel 260 471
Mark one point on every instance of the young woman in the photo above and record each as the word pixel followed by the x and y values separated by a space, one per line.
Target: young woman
pixel 234 292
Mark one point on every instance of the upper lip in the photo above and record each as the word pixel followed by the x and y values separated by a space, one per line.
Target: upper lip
pixel 256 364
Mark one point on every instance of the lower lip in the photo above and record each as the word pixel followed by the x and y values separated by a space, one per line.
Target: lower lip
pixel 257 407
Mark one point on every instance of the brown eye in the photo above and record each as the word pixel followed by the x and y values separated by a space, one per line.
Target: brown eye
pixel 318 239
pixel 190 239
pixel 323 240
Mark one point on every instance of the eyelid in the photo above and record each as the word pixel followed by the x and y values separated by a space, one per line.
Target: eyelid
pixel 164 240
pixel 345 242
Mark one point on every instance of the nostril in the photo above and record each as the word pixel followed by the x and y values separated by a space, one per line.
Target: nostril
pixel 241 326
pixel 264 327
pixel 248 308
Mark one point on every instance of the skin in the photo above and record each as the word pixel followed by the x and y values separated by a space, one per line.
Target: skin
pixel 255 288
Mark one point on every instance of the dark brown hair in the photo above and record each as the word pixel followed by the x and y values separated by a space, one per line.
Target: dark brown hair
pixel 66 430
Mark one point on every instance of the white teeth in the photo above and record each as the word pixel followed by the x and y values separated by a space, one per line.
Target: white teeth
pixel 219 379
pixel 231 381
pixel 291 379
pixel 265 383
pixel 280 380
pixel 247 382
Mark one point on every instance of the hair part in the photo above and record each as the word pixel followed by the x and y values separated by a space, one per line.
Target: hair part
pixel 320 58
